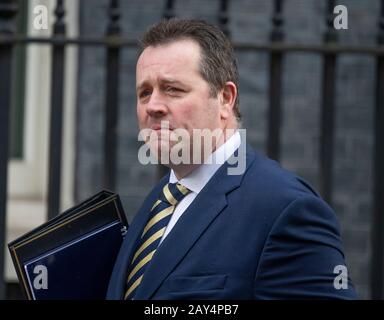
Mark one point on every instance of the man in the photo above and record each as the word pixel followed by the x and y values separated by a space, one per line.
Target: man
pixel 203 233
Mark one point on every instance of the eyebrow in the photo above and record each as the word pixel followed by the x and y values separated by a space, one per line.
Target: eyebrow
pixel 171 81
pixel 162 81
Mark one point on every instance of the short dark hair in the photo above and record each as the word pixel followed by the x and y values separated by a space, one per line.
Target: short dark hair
pixel 218 63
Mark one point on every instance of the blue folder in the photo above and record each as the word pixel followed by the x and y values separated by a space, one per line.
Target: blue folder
pixel 72 255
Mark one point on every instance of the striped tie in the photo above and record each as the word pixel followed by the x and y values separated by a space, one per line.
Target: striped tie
pixel 161 213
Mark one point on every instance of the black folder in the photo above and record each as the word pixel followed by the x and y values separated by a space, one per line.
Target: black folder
pixel 72 255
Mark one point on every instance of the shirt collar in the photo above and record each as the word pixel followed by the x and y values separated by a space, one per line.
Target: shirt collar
pixel 198 178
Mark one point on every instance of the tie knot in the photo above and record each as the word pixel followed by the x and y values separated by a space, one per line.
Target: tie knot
pixel 173 193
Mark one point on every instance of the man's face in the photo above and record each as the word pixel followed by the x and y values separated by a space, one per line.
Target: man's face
pixel 170 88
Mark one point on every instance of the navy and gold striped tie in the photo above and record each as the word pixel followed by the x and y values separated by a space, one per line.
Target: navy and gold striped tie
pixel 161 213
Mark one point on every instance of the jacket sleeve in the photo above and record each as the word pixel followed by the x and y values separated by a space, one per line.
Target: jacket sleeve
pixel 302 257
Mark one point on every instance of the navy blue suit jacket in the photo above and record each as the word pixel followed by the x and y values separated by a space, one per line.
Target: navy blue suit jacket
pixel 264 234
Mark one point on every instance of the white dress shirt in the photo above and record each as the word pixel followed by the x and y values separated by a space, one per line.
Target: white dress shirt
pixel 199 177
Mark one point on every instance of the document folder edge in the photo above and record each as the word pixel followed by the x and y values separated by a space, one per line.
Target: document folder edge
pixel 13 246
pixel 70 218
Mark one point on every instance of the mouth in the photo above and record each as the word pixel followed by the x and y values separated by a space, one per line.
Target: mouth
pixel 158 127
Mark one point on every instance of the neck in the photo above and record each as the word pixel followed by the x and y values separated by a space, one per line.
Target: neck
pixel 181 171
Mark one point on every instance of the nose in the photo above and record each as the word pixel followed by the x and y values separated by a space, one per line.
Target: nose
pixel 156 106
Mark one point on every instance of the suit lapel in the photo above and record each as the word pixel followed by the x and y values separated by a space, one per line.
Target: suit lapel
pixel 191 225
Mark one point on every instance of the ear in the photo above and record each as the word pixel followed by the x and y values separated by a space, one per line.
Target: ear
pixel 227 99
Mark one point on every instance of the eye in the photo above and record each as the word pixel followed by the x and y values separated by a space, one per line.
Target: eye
pixel 144 93
pixel 173 89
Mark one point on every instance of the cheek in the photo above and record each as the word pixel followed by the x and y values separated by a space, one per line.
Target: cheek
pixel 190 118
pixel 140 113
pixel 141 119
pixel 195 111
pixel 205 115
